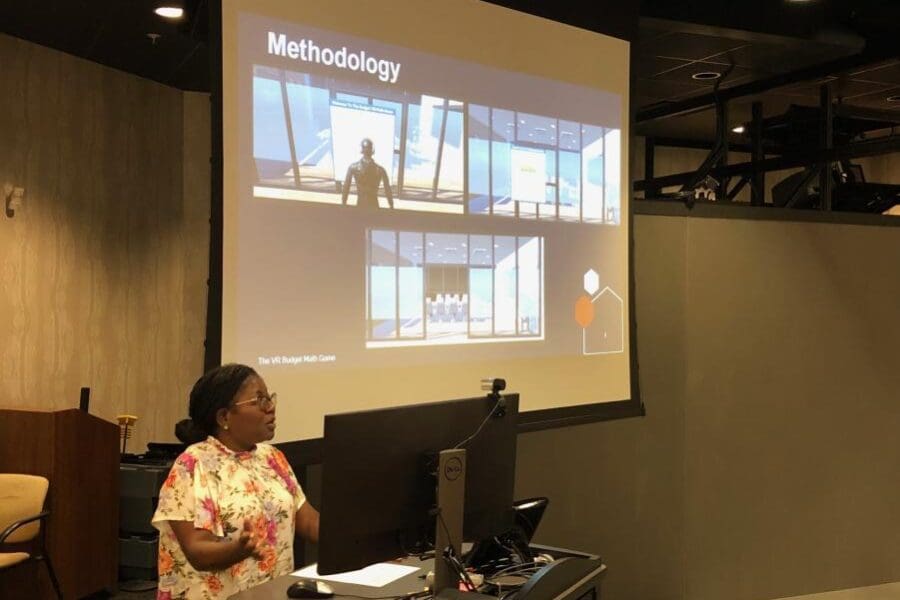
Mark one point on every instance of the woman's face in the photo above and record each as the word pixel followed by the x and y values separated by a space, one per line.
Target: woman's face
pixel 251 418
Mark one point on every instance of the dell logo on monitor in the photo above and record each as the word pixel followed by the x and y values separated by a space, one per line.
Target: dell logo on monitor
pixel 453 469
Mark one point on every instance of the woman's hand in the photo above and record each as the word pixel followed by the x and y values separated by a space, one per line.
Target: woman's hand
pixel 247 543
pixel 207 552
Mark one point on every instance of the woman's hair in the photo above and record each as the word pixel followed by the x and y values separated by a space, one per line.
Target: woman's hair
pixel 213 391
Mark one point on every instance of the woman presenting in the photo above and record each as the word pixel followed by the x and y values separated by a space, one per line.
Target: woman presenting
pixel 231 505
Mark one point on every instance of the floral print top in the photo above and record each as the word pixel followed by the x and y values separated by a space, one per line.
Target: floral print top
pixel 218 489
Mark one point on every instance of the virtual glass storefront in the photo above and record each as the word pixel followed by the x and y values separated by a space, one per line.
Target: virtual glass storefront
pixel 439 154
pixel 443 288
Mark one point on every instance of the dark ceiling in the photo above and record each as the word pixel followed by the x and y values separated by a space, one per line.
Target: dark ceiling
pixel 749 42
pixel 115 33
pixel 785 50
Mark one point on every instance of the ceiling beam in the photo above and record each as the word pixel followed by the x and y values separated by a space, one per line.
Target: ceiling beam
pixel 746 148
pixel 850 111
pixel 876 147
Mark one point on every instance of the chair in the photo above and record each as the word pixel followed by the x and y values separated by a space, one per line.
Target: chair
pixel 21 513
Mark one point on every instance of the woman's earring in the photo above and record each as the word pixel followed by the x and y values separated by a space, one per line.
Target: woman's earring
pixel 226 426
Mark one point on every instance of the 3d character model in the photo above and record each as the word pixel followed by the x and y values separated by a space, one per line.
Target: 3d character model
pixel 369 176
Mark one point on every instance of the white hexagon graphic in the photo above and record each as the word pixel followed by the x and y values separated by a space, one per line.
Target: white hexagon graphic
pixel 591 282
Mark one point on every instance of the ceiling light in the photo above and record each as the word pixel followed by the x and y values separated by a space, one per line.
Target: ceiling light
pixel 739 129
pixel 706 75
pixel 169 11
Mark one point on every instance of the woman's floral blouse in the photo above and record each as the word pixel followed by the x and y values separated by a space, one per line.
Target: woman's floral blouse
pixel 217 489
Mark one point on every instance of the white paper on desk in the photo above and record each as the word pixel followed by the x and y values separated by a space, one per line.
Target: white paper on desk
pixel 377 575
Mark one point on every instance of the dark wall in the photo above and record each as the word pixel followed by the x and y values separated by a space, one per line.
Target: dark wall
pixel 765 465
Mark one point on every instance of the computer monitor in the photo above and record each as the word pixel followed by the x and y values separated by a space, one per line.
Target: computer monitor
pixel 378 482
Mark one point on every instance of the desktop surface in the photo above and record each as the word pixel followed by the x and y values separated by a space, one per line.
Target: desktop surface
pixel 410 583
pixel 584 585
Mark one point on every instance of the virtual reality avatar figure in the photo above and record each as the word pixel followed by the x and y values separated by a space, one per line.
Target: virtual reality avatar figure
pixel 369 176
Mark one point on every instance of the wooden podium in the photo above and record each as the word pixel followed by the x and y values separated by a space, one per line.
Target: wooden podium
pixel 79 454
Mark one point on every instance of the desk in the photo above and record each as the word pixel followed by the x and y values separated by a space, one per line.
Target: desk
pixel 584 586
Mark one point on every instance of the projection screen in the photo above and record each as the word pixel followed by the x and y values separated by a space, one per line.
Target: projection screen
pixel 418 195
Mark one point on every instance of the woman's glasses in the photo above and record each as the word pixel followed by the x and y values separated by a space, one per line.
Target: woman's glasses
pixel 265 402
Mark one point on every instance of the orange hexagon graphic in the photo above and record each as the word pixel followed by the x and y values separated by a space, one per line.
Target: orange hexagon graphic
pixel 584 311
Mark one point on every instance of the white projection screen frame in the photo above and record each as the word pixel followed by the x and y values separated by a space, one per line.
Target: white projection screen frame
pixel 418 195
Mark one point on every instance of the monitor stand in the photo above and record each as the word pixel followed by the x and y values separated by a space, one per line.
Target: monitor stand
pixel 451 496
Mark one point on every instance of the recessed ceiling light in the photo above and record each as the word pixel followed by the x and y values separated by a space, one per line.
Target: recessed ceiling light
pixel 706 75
pixel 894 98
pixel 738 129
pixel 170 12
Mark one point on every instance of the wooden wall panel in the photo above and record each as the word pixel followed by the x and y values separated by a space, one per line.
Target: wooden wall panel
pixel 103 270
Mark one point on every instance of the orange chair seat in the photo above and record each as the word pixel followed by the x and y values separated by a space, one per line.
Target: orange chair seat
pixel 8 559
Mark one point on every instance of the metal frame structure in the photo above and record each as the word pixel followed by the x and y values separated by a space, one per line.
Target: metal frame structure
pixel 816 160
